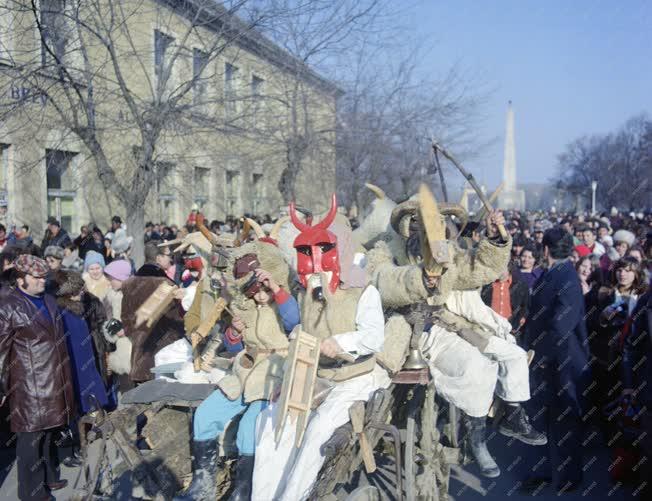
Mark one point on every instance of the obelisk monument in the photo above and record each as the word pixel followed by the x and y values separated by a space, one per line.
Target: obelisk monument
pixel 511 197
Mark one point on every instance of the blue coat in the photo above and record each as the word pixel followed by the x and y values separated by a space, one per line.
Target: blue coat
pixel 85 377
pixel 556 331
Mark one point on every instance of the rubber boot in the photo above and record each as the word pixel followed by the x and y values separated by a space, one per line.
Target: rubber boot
pixel 516 424
pixel 204 471
pixel 477 443
pixel 243 479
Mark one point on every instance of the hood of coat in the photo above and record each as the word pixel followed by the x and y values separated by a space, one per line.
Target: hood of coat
pixel 74 307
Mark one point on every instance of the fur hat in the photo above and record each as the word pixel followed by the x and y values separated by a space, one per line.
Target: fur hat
pixel 69 283
pixel 54 251
pixel 624 236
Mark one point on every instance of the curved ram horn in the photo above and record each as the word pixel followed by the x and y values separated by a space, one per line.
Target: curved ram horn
pixel 298 224
pixel 277 227
pixel 380 194
pixel 256 227
pixel 330 217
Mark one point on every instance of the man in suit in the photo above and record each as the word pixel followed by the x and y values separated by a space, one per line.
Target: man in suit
pixel 560 374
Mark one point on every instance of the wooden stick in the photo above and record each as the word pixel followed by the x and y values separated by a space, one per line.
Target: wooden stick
pixel 474 184
pixel 356 413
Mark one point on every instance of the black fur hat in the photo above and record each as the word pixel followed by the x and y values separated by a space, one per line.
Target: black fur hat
pixel 69 283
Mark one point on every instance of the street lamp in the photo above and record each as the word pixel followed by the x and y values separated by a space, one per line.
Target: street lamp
pixel 594 186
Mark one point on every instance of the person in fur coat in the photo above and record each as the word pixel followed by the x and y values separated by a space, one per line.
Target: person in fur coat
pixel 468 347
pixel 87 381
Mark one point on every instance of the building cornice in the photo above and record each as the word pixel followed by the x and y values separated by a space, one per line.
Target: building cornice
pixel 219 19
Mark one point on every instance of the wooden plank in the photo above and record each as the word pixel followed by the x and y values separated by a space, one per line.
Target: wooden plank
pixel 356 413
pixel 156 305
pixel 211 319
pixel 298 383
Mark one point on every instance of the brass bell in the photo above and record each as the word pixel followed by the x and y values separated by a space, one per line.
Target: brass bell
pixel 415 360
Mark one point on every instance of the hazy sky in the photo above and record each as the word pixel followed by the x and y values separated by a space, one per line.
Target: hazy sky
pixel 570 67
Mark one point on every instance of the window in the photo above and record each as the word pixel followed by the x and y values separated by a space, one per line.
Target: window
pixel 165 189
pixel 233 192
pixel 201 184
pixel 162 44
pixel 56 32
pixel 230 89
pixel 257 192
pixel 257 84
pixel 199 62
pixel 6 34
pixel 61 186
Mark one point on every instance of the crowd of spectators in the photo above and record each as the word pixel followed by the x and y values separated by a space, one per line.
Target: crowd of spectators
pixel 612 258
pixel 86 277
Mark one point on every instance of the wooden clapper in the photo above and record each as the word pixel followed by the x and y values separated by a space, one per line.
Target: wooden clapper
pixel 296 395
pixel 204 329
pixel 156 305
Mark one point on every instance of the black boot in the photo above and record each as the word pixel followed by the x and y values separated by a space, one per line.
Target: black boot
pixel 516 424
pixel 204 471
pixel 243 477
pixel 476 441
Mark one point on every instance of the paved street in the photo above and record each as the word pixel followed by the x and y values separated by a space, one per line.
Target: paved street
pixel 514 458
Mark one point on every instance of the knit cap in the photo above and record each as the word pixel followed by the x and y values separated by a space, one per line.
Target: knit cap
pixel 119 270
pixel 93 257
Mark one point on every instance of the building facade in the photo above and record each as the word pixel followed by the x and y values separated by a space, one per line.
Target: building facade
pixel 243 103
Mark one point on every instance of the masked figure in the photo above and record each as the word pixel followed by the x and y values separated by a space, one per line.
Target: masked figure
pixel 255 279
pixel 467 346
pixel 346 315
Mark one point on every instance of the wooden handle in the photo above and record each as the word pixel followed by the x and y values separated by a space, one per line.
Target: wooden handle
pixel 196 359
pixel 367 453
pixel 211 319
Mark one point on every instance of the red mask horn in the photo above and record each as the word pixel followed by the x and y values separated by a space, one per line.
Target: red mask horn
pixel 317 247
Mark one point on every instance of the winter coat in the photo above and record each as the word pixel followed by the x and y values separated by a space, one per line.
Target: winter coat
pixel 555 329
pixel 88 244
pixel 61 240
pixel 147 341
pixel 86 379
pixel 637 351
pixel 36 376
pixel 266 344
pixel 95 316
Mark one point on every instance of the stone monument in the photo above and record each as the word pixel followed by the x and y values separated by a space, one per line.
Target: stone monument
pixel 511 198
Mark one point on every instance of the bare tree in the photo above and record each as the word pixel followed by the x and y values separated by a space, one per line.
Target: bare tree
pixel 391 111
pixel 620 163
pixel 94 71
pixel 316 33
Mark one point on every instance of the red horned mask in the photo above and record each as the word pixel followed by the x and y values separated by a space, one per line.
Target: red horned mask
pixel 317 247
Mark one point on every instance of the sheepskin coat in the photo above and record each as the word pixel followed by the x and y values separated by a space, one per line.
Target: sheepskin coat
pixel 147 341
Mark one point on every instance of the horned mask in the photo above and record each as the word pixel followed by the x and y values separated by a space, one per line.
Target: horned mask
pixel 317 248
pixel 427 218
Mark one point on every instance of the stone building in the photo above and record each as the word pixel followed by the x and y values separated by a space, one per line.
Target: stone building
pixel 225 150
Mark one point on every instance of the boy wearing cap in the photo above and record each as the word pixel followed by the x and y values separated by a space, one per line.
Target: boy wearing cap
pixel 35 378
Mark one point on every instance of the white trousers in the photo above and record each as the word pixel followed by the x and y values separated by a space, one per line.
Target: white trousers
pixel 468 378
pixel 283 472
